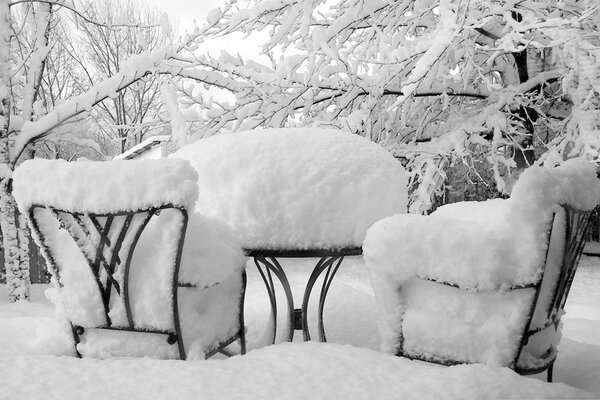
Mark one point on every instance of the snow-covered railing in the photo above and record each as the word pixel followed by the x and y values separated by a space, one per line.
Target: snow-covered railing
pixel 484 282
pixel 128 256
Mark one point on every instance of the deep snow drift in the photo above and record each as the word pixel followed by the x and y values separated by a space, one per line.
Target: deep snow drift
pixel 350 369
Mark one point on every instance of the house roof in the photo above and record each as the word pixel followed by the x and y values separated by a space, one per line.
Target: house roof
pixel 142 147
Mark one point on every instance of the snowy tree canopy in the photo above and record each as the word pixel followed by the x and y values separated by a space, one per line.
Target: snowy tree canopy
pixel 30 112
pixel 435 81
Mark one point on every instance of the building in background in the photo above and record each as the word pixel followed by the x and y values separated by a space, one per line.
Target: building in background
pixel 152 148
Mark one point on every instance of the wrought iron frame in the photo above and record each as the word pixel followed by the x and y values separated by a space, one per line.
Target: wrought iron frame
pixel 78 227
pixel 577 223
pixel 267 263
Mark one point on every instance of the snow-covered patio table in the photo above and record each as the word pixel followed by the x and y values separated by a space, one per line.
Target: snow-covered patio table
pixel 297 193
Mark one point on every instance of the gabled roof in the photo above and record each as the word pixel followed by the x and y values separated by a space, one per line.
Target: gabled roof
pixel 142 147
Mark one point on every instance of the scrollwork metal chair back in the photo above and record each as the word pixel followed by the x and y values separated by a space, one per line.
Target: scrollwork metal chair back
pixel 107 243
pixel 577 223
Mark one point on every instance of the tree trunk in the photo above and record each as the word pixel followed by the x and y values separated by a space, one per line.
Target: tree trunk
pixel 15 233
pixel 15 243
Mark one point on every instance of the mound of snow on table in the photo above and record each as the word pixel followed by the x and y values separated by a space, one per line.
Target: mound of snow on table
pixel 299 188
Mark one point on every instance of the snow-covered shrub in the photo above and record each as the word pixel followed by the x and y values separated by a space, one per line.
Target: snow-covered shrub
pixel 212 258
pixel 296 188
pixel 484 248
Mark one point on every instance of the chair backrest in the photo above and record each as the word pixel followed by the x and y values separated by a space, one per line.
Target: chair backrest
pixel 106 243
pixel 565 247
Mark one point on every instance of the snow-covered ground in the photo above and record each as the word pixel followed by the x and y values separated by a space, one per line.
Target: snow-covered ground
pixel 34 364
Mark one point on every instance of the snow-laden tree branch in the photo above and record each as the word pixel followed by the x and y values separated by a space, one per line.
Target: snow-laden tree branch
pixel 136 68
pixel 33 105
pixel 436 81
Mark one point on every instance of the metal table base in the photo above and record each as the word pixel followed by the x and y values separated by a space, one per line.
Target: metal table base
pixel 267 263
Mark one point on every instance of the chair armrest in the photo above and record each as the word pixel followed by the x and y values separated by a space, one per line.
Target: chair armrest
pixel 211 253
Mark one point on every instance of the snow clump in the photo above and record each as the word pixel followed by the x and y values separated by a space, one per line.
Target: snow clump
pixel 116 186
pixel 296 188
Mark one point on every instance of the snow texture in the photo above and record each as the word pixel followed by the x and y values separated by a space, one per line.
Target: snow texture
pixel 177 118
pixel 212 252
pixel 117 185
pixel 485 248
pixel 208 316
pixel 296 188
pixel 286 371
pixel 32 347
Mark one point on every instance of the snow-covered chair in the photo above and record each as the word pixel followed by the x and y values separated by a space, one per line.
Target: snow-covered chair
pixel 484 282
pixel 130 263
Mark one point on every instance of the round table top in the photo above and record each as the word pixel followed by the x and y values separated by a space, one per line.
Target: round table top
pixel 304 253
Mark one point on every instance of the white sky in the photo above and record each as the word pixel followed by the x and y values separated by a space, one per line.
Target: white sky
pixel 186 11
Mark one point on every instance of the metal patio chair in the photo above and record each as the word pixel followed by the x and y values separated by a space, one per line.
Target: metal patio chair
pixel 118 272
pixel 485 282
pixel 544 313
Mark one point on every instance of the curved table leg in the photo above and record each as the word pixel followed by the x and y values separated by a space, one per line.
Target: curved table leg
pixel 324 289
pixel 325 263
pixel 272 266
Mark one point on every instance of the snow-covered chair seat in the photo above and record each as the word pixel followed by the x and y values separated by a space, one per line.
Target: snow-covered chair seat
pixel 484 282
pixel 125 279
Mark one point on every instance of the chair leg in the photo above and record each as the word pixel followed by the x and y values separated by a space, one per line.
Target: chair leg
pixel 549 373
pixel 243 341
pixel 77 331
pixel 241 314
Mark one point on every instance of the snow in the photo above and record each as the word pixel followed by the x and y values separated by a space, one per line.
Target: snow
pixel 40 50
pixel 592 248
pixel 441 39
pixel 212 252
pixel 296 188
pixel 504 239
pixel 177 119
pixel 487 322
pixel 117 185
pixel 485 248
pixel 213 16
pixel 349 368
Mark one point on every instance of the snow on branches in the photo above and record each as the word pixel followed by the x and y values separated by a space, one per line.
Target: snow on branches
pixel 26 117
pixel 435 81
